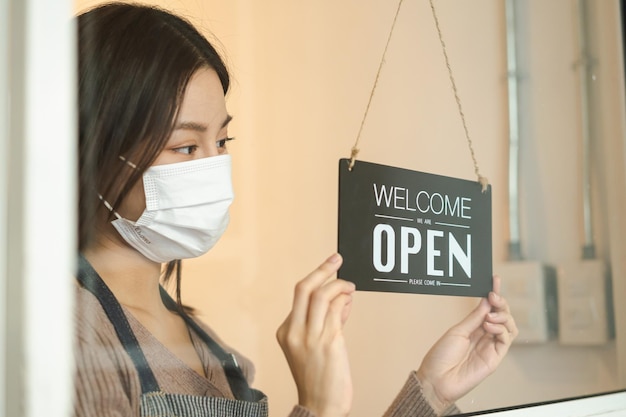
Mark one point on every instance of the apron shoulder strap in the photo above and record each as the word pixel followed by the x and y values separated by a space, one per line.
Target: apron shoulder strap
pixel 90 280
pixel 236 379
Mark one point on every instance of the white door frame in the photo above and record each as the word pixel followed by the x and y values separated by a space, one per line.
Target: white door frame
pixel 37 206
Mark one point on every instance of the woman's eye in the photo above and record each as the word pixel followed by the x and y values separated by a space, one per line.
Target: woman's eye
pixel 187 150
pixel 222 143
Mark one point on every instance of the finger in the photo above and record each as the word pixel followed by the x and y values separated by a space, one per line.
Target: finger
pixel 474 319
pixel 310 283
pixel 495 329
pixel 500 332
pixel 497 284
pixel 321 300
pixel 498 317
pixel 511 326
pixel 498 303
pixel 503 318
pixel 335 319
pixel 495 296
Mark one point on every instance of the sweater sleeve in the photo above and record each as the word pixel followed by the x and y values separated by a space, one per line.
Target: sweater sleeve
pixel 410 402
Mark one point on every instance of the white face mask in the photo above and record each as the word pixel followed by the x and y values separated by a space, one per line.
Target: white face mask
pixel 186 209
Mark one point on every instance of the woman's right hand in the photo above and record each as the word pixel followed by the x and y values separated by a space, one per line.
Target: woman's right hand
pixel 312 339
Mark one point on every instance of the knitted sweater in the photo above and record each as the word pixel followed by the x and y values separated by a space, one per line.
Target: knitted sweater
pixel 107 383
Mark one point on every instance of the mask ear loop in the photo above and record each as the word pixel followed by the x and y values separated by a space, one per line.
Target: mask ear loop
pixel 108 206
pixel 106 203
pixel 130 164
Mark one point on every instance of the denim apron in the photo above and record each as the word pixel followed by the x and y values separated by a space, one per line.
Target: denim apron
pixel 248 402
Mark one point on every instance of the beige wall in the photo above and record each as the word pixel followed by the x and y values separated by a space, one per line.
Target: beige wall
pixel 303 72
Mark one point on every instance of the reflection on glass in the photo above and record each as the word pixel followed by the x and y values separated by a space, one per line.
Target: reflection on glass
pixel 300 91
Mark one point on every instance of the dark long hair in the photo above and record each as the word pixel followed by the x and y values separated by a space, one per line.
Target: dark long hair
pixel 134 65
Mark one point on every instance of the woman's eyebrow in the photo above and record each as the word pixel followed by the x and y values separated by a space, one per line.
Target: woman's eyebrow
pixel 199 127
pixel 227 121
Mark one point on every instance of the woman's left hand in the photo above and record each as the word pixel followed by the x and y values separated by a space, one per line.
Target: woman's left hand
pixel 313 342
pixel 468 352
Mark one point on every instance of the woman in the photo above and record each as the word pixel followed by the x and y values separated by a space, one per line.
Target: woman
pixel 155 187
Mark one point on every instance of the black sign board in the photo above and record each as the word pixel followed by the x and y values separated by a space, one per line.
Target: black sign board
pixel 412 232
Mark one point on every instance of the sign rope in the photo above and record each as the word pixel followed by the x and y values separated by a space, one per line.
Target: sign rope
pixel 355 149
pixel 482 180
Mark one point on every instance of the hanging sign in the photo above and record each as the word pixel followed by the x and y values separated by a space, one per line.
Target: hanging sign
pixel 412 232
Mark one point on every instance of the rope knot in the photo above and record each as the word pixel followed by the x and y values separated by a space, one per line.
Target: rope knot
pixel 353 154
pixel 484 182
